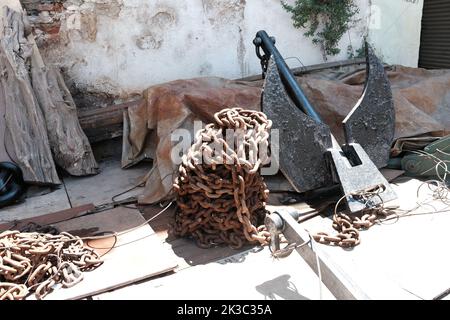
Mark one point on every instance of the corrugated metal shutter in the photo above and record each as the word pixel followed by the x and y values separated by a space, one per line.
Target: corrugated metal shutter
pixel 435 38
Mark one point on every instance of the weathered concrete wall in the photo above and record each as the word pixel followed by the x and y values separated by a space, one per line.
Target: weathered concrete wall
pixel 395 28
pixel 119 47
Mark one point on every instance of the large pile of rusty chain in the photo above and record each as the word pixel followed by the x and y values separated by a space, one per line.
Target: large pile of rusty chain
pixel 221 195
pixel 38 262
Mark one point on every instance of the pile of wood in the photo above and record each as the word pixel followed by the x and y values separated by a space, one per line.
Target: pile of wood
pixel 40 128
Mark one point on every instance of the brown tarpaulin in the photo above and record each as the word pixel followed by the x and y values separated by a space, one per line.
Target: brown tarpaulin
pixel 421 97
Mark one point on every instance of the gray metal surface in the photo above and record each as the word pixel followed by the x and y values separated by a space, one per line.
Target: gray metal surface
pixel 303 141
pixel 371 123
pixel 360 177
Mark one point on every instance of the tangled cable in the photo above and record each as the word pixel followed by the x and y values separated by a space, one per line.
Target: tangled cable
pixel 221 195
pixel 36 262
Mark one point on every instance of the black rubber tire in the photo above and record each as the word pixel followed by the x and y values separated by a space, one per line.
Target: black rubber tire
pixel 15 187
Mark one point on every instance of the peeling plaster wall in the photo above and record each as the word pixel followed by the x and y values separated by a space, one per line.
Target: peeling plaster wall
pixel 120 47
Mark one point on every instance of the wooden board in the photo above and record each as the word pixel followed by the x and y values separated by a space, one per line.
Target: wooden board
pixel 104 123
pixel 185 250
pixel 35 206
pixel 252 274
pixel 138 254
pixel 111 181
pixel 48 219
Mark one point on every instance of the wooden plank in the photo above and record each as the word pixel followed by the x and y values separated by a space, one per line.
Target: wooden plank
pixel 138 254
pixel 111 181
pixel 252 274
pixel 50 218
pixel 340 284
pixel 162 224
pixel 187 252
pixel 34 206
pixel 104 123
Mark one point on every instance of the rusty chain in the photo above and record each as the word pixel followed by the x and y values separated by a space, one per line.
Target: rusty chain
pixel 348 226
pixel 221 195
pixel 36 262
pixel 12 291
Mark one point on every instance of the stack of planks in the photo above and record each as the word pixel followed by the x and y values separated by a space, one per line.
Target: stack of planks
pixel 40 126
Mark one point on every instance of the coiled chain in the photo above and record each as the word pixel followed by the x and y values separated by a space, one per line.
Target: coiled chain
pixel 221 195
pixel 36 262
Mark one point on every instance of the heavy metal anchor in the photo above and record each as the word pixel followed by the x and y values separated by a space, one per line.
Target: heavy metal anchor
pixel 310 157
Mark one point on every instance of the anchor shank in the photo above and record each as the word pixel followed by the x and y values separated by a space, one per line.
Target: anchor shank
pixel 266 43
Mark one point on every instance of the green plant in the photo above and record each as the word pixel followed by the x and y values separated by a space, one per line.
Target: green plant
pixel 327 20
pixel 358 53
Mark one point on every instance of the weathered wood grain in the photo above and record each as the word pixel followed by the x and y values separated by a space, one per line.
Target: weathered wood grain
pixel 25 123
pixel 70 146
pixel 40 118
pixel 137 255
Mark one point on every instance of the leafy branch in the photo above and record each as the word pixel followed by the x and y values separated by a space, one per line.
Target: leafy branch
pixel 326 20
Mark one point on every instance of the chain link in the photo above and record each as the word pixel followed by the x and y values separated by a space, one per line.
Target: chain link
pixel 221 196
pixel 37 262
pixel 348 226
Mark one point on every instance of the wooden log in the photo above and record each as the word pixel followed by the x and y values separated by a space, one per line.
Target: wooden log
pixel 25 123
pixel 104 123
pixel 70 146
